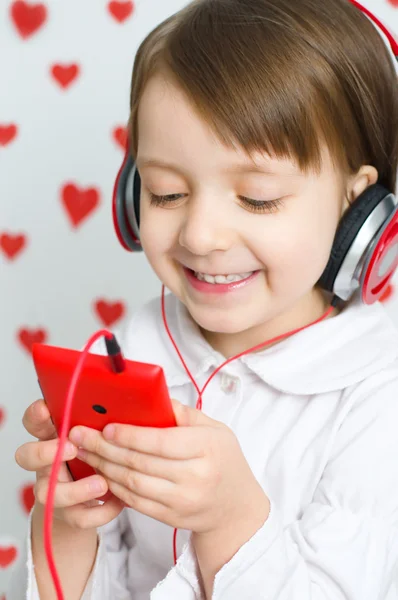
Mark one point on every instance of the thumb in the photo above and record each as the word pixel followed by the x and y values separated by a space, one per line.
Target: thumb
pixel 187 416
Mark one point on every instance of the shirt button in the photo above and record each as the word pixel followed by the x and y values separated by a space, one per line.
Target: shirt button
pixel 228 383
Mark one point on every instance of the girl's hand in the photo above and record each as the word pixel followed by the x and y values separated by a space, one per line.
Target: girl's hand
pixel 193 476
pixel 74 501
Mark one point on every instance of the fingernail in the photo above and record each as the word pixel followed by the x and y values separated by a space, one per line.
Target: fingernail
pixel 109 432
pixel 76 436
pixel 69 449
pixel 97 485
pixel 81 453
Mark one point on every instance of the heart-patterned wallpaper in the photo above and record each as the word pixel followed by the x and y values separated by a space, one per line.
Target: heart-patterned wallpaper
pixel 63 115
pixel 63 110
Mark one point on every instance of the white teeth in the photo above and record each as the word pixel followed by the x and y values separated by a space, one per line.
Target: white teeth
pixel 222 279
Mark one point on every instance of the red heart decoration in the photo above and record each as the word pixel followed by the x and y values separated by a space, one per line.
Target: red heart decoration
pixel 79 203
pixel 120 10
pixel 109 312
pixel 65 74
pixel 120 136
pixel 8 555
pixel 393 3
pixel 27 497
pixel 12 245
pixel 7 133
pixel 28 18
pixel 27 337
pixel 2 415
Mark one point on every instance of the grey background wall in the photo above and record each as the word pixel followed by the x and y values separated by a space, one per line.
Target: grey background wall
pixel 65 71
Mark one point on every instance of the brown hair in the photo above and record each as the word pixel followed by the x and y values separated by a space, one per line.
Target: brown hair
pixel 281 76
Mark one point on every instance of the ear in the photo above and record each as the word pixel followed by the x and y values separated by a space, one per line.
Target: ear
pixel 366 176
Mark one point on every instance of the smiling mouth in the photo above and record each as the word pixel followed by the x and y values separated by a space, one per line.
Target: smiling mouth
pixel 221 279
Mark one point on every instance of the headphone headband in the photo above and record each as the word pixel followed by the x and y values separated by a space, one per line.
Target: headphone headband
pixel 392 41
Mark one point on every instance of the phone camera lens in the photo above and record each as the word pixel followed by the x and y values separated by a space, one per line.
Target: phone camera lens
pixel 99 409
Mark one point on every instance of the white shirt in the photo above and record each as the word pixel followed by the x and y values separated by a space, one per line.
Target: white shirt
pixel 317 419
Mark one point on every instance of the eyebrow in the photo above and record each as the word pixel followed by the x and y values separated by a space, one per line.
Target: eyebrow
pixel 234 168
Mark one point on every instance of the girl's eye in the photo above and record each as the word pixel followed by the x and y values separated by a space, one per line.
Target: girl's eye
pixel 262 206
pixel 259 206
pixel 163 200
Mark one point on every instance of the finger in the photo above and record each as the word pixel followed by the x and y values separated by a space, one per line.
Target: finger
pixel 178 443
pixel 74 492
pixel 36 455
pixel 90 517
pixel 148 486
pixel 146 506
pixel 64 474
pixel 149 464
pixel 37 421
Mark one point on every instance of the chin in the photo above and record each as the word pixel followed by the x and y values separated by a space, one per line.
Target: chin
pixel 220 321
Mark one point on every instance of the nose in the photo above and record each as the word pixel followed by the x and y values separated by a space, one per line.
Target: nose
pixel 205 228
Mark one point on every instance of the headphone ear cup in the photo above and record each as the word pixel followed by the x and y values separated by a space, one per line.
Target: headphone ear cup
pixel 126 197
pixel 347 231
pixel 137 196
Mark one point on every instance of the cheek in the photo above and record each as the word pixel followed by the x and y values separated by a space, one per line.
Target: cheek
pixel 156 233
pixel 159 238
pixel 298 248
pixel 312 249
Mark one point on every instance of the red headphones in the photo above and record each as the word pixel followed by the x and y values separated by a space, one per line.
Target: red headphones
pixel 364 255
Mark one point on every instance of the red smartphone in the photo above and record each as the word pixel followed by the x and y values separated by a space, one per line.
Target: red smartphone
pixel 136 396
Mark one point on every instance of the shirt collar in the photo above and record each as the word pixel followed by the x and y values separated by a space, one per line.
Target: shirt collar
pixel 331 355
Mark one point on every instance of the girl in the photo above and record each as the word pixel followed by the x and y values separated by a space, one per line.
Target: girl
pixel 255 126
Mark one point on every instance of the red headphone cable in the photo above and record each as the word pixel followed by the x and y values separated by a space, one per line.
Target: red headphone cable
pixel 117 365
pixel 333 305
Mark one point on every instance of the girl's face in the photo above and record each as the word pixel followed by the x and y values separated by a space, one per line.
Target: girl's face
pixel 227 215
